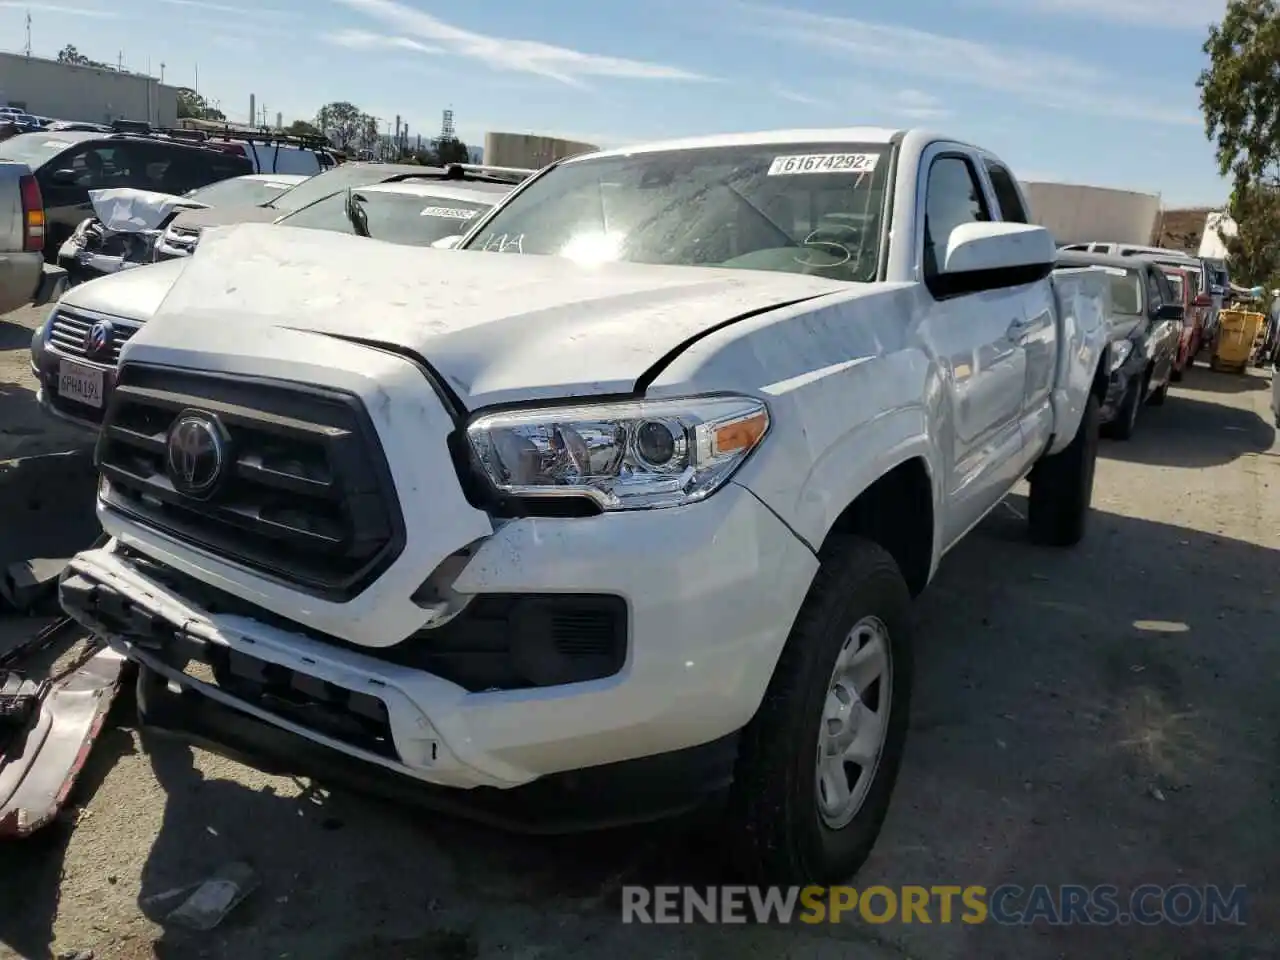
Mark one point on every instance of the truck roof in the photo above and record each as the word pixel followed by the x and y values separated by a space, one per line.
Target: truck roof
pixel 866 135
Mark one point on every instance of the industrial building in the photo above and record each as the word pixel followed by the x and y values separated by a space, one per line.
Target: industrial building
pixel 1074 213
pixel 529 151
pixel 67 91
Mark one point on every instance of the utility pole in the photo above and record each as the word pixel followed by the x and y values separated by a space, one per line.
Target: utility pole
pixel 162 71
pixel 196 88
pixel 28 33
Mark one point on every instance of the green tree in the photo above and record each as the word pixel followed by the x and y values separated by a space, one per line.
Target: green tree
pixel 69 54
pixel 301 128
pixel 191 104
pixel 342 122
pixel 1240 97
pixel 450 151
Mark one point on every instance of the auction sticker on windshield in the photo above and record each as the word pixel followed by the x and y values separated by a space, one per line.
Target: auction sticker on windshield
pixel 449 213
pixel 824 163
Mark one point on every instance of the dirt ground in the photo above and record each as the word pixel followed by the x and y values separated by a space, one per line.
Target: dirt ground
pixel 1102 715
pixel 24 430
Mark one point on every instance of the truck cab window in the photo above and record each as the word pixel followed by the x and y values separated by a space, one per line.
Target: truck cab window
pixel 1011 209
pixel 952 197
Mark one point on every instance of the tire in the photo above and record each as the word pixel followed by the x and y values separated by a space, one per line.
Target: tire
pixel 1158 397
pixel 1122 427
pixel 1175 376
pixel 775 828
pixel 1062 486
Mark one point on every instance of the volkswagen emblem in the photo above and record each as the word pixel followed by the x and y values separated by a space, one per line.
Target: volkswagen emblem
pixel 196 454
pixel 99 338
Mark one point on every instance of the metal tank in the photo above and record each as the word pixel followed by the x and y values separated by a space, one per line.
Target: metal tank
pixel 529 150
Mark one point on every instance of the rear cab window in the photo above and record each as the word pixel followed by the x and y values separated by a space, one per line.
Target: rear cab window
pixel 1006 191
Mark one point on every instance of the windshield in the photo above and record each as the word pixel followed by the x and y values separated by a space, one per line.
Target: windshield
pixel 796 208
pixel 407 218
pixel 332 181
pixel 238 193
pixel 34 149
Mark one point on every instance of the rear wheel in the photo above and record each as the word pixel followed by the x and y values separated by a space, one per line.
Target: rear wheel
pixel 1062 486
pixel 1158 397
pixel 819 760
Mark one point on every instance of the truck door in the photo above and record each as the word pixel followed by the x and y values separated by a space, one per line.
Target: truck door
pixel 976 337
pixel 1039 337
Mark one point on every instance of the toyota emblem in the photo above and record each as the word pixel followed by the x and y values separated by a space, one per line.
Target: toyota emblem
pixel 196 452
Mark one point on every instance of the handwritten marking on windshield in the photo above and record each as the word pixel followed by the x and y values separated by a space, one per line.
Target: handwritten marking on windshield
pixel 504 243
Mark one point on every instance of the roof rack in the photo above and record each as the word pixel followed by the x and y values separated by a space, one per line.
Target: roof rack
pixel 223 134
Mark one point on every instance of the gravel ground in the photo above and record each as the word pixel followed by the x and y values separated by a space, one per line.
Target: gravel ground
pixel 1103 715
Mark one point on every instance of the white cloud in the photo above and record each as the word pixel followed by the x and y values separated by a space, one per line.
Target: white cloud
pixel 61 8
pixel 804 99
pixel 522 56
pixel 917 105
pixel 1173 14
pixel 228 8
pixel 907 103
pixel 364 40
pixel 1035 76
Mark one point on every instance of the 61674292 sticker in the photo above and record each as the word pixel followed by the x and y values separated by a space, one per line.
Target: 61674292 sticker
pixel 448 213
pixel 823 163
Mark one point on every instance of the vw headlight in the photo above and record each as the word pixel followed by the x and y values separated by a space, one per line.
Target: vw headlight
pixel 633 455
pixel 1120 353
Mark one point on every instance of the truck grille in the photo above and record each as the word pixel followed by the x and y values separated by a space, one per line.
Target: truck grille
pixel 69 335
pixel 300 493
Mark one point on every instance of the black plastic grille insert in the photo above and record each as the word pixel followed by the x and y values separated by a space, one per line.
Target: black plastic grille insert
pixel 308 498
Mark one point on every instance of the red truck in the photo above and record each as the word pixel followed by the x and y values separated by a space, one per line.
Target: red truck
pixel 1195 307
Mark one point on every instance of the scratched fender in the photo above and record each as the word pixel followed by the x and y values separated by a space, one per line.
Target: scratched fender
pixel 1083 303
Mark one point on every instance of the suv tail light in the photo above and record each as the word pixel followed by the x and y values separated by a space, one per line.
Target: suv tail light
pixel 32 214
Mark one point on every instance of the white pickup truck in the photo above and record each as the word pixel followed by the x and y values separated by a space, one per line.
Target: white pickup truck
pixel 602 533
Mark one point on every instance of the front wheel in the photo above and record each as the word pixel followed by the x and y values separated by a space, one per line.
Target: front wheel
pixel 1062 486
pixel 819 760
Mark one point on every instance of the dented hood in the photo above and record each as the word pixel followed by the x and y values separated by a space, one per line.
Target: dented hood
pixel 129 210
pixel 498 327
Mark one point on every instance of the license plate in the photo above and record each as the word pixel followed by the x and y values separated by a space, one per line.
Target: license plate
pixel 79 383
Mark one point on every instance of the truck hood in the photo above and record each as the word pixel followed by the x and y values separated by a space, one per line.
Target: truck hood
pixel 497 327
pixel 224 216
pixel 131 294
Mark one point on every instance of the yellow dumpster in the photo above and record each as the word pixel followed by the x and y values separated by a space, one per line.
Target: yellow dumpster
pixel 1233 345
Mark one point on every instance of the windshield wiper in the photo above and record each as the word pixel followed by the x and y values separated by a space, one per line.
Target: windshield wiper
pixel 356 214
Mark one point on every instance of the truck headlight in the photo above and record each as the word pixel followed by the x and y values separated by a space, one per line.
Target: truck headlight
pixel 633 455
pixel 1120 353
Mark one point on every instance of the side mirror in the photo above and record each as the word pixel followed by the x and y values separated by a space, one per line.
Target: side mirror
pixel 1202 300
pixel 63 178
pixel 1170 311
pixel 988 256
pixel 447 243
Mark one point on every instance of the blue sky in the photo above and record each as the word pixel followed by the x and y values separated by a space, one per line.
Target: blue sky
pixel 1087 91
